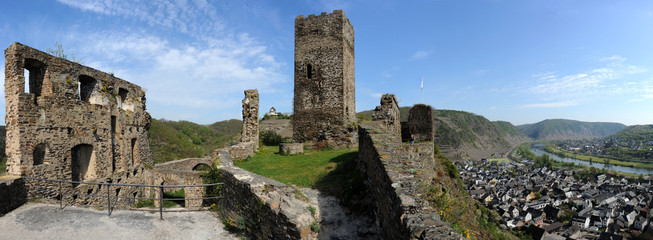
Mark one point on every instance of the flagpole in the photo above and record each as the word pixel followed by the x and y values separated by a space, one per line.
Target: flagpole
pixel 421 87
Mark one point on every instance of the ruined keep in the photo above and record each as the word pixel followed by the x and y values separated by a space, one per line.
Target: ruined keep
pixel 250 117
pixel 324 101
pixel 71 122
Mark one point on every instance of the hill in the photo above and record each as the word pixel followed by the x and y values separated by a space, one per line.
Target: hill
pixel 557 129
pixel 464 135
pixel 170 140
pixel 635 133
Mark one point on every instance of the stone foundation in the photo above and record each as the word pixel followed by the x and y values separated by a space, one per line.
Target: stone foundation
pixel 287 149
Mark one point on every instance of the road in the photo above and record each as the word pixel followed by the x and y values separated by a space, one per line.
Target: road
pixel 43 221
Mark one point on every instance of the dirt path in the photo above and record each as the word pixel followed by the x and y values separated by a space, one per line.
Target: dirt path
pixel 336 222
pixel 43 221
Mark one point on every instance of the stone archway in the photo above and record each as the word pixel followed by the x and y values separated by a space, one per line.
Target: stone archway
pixel 83 163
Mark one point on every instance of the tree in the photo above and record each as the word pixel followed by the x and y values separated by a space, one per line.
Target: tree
pixel 59 52
pixel 607 162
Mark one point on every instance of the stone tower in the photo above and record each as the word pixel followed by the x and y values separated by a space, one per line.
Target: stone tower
pixel 324 98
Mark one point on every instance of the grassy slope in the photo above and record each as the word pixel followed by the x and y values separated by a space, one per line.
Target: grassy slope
pixel 304 170
pixel 566 129
pixel 170 140
pixel 445 192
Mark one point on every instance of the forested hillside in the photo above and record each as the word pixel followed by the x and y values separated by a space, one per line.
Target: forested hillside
pixel 463 135
pixel 170 140
pixel 557 129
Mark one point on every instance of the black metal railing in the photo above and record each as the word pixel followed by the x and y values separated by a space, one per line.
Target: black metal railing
pixel 45 191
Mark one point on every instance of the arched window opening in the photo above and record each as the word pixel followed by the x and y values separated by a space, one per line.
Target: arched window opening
pixel 34 73
pixel 86 87
pixel 38 155
pixel 122 94
pixel 83 163
pixel 309 71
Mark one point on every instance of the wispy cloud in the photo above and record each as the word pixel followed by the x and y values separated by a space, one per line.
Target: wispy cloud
pixel 192 17
pixel 205 72
pixel 551 105
pixel 605 80
pixel 419 55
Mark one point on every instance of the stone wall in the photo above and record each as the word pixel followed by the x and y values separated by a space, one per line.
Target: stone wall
pixel 388 113
pixel 250 117
pixel 420 122
pixel 71 122
pixel 160 176
pixel 324 96
pixel 12 193
pixel 262 207
pixel 393 172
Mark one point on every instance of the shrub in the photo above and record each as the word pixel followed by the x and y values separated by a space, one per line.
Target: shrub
pixel 270 137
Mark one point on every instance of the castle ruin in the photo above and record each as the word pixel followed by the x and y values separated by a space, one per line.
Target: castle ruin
pixel 324 100
pixel 71 122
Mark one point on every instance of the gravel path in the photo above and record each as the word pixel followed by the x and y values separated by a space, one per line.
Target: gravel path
pixel 43 221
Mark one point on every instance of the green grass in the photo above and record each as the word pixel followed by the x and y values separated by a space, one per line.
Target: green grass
pixel 498 160
pixel 304 170
pixel 596 159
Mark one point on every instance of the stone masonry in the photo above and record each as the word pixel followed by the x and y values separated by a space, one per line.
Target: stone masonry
pixel 388 113
pixel 71 122
pixel 324 98
pixel 420 122
pixel 392 172
pixel 250 117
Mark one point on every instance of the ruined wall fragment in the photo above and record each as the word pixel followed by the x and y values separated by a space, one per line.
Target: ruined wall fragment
pixel 324 97
pixel 420 122
pixel 250 117
pixel 67 121
pixel 388 113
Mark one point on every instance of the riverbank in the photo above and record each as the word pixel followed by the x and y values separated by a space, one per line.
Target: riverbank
pixel 596 159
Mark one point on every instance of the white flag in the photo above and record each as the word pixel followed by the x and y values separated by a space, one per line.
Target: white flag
pixel 421 86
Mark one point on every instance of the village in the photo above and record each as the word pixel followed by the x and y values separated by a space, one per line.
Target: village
pixel 557 204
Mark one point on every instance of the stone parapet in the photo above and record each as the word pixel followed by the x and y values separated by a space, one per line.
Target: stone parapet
pixel 13 193
pixel 393 172
pixel 264 208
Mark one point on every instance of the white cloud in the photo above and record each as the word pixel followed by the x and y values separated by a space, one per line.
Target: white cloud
pixel 197 18
pixel 376 95
pixel 601 81
pixel 551 104
pixel 419 55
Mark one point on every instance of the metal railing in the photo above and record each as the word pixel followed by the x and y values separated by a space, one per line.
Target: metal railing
pixel 61 191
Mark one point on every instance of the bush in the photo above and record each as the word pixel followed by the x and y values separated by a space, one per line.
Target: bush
pixel 270 138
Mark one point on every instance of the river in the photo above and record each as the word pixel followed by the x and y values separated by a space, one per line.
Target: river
pixel 538 149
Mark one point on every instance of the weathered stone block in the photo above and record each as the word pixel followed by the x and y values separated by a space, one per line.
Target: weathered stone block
pixel 287 149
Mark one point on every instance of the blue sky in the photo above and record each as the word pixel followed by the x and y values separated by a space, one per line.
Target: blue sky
pixel 517 61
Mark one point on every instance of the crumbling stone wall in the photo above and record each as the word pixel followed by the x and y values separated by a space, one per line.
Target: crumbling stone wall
pixel 72 122
pixel 393 174
pixel 324 97
pixel 420 122
pixel 12 193
pixel 250 117
pixel 388 114
pixel 265 208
